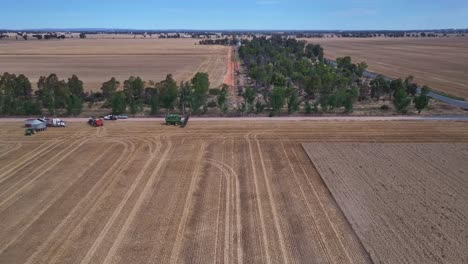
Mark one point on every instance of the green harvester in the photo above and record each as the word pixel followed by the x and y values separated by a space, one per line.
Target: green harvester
pixel 177 120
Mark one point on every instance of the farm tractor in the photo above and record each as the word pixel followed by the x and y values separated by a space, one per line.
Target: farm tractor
pixel 29 131
pixel 95 122
pixel 34 125
pixel 177 120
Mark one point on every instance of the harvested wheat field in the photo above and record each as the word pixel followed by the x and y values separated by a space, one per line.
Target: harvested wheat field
pixel 441 63
pixel 407 202
pixel 214 192
pixel 97 60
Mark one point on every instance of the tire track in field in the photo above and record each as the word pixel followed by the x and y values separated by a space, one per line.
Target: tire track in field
pixel 327 252
pixel 69 150
pixel 217 221
pixel 16 147
pixel 183 221
pixel 136 207
pixel 272 204
pixel 86 218
pixel 51 202
pixel 265 244
pixel 74 215
pixel 31 156
pixel 229 174
pixel 240 253
pixel 124 201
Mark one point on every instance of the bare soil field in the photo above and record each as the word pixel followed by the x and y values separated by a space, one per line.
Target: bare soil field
pixel 214 192
pixel 97 60
pixel 441 63
pixel 406 202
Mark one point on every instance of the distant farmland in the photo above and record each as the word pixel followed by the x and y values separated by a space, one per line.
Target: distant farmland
pixel 441 63
pixel 97 60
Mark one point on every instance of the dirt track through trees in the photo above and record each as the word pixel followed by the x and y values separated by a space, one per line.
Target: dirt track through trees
pixel 214 192
pixel 406 202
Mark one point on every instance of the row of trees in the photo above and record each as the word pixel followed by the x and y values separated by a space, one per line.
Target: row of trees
pixel 17 97
pixel 401 92
pixel 56 96
pixel 136 94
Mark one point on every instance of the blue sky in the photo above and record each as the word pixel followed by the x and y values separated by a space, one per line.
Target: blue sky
pixel 241 14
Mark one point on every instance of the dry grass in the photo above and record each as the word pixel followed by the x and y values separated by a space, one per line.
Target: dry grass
pixel 441 63
pixel 214 192
pixel 406 202
pixel 97 60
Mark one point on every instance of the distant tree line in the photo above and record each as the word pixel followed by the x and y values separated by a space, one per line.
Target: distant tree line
pixel 220 41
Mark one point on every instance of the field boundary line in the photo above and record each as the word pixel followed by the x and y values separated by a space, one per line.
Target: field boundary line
pixel 315 227
pixel 334 200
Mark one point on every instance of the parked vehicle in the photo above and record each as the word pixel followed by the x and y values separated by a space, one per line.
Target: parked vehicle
pixel 122 117
pixel 110 117
pixel 55 122
pixel 95 122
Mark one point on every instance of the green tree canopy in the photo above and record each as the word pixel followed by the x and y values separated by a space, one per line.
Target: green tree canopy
pixel 118 103
pixel 249 98
pixel 134 89
pixel 278 95
pixel 109 88
pixel 400 99
pixel 75 86
pixel 168 92
pixel 200 85
pixel 422 101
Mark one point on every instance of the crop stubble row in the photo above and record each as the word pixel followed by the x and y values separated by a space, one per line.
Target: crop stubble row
pixel 135 192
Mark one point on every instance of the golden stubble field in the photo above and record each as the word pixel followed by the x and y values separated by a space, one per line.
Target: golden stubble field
pixel 97 60
pixel 441 63
pixel 214 192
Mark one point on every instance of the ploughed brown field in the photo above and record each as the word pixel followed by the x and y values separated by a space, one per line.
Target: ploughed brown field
pixel 97 60
pixel 441 63
pixel 214 192
pixel 406 202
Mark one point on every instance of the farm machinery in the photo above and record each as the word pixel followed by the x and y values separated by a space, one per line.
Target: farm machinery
pixel 34 125
pixel 177 120
pixel 55 122
pixel 95 122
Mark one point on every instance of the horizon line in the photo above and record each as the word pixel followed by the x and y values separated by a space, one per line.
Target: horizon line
pixel 218 30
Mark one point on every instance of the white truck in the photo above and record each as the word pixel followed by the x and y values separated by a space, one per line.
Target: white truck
pixel 55 122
